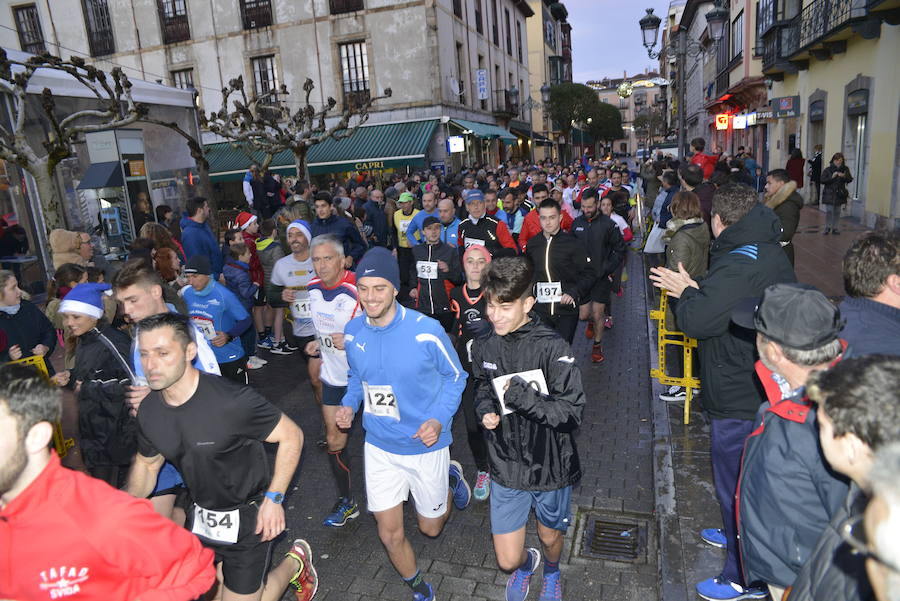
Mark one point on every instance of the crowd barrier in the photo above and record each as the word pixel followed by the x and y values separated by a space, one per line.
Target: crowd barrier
pixel 688 345
pixel 60 442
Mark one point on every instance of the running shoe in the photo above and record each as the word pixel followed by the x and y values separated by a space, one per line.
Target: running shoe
pixel 551 588
pixel 289 346
pixel 265 342
pixel 714 537
pixel 344 511
pixel 254 363
pixel 597 353
pixel 719 589
pixel 280 348
pixel 674 393
pixel 482 486
pixel 305 581
pixel 520 580
pixel 607 322
pixel 589 330
pixel 462 494
pixel 421 597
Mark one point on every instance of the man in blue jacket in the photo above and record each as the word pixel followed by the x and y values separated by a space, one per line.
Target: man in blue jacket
pixel 408 412
pixel 376 223
pixel 326 222
pixel 429 209
pixel 449 222
pixel 196 237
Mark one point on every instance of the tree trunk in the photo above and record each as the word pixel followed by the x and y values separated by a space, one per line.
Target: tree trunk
pixel 49 202
pixel 300 162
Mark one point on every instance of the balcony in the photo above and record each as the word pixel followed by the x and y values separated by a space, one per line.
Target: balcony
pixel 346 6
pixel 823 18
pixel 256 14
pixel 779 45
pixel 503 106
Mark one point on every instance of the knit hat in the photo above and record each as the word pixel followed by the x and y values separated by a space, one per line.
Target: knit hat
pixel 198 265
pixel 86 299
pixel 476 249
pixel 299 224
pixel 378 262
pixel 244 219
pixel 406 197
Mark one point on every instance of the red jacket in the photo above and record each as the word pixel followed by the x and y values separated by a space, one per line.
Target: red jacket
pixel 707 162
pixel 531 226
pixel 69 536
pixel 257 275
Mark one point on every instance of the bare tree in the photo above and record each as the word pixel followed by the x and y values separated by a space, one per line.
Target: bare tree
pixel 114 108
pixel 260 123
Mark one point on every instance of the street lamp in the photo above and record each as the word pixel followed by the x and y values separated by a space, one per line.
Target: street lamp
pixel 529 104
pixel 681 46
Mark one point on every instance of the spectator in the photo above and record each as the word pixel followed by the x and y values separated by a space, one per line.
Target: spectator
pixel 168 266
pixel 248 186
pixel 142 211
pixel 691 177
pixel 13 241
pixel 746 258
pixel 795 167
pixel 70 247
pixel 815 175
pixel 162 238
pixel 249 225
pixel 669 181
pixel 272 196
pixel 704 161
pixel 326 222
pixel 872 307
pixel 269 250
pixel 783 198
pixel 835 179
pixel 881 526
pixel 237 280
pixel 24 330
pixel 196 237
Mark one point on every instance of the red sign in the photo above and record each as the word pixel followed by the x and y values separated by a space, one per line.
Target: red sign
pixel 722 121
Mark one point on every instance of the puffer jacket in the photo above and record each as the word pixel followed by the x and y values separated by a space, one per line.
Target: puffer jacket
pixel 835 188
pixel 64 246
pixel 745 259
pixel 561 259
pixel 532 448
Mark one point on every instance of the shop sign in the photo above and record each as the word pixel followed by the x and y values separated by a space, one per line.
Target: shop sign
pixel 439 166
pixel 751 119
pixel 136 169
pixel 481 83
pixel 858 102
pixel 368 166
pixel 763 115
pixel 786 106
pixel 722 121
pixel 456 144
pixel 739 122
pixel 817 111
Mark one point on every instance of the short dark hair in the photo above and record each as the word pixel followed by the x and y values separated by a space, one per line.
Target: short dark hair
pixel 731 202
pixel 549 203
pixel 267 227
pixel 860 397
pixel 506 192
pixel 136 272
pixel 669 177
pixel 539 188
pixel 618 197
pixel 590 193
pixel 780 174
pixel 194 204
pixel 237 250
pixel 323 195
pixel 691 174
pixel 180 325
pixel 869 262
pixel 699 144
pixel 301 187
pixel 233 233
pixel 508 279
pixel 29 397
pixel 94 273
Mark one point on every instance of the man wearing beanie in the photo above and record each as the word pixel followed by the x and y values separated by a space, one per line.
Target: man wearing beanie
pixel 436 269
pixel 408 409
pixel 484 230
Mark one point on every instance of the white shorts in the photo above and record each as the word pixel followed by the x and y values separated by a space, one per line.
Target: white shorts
pixel 391 477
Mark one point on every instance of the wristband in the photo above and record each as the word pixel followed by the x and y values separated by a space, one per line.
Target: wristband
pixel 275 497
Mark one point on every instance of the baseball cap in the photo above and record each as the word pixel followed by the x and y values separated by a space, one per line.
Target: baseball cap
pixel 406 197
pixel 199 265
pixel 797 316
pixel 473 195
pixel 430 221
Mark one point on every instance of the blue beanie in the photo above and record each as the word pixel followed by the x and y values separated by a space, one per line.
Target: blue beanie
pixel 86 299
pixel 379 262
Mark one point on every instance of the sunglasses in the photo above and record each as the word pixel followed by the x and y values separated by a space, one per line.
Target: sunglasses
pixel 853 532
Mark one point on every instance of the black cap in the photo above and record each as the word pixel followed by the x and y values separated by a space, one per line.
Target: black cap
pixel 430 221
pixel 199 265
pixel 797 316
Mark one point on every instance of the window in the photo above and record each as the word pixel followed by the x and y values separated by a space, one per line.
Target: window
pixel 495 27
pixel 345 6
pixel 183 78
pixel 457 8
pixel 519 39
pixel 256 13
pixel 555 69
pixel 737 36
pixel 508 33
pixel 174 20
pixel 28 24
pixel 604 100
pixel 549 30
pixel 354 74
pixel 460 71
pixel 265 80
pixel 478 25
pixel 99 28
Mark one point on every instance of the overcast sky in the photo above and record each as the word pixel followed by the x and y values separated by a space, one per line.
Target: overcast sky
pixel 606 37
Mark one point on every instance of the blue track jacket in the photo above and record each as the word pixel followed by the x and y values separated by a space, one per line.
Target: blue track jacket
pixel 416 226
pixel 218 304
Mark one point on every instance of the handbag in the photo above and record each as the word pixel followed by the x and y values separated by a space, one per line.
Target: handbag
pixel 655 243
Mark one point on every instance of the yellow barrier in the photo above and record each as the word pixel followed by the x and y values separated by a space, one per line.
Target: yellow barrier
pixel 60 442
pixel 666 337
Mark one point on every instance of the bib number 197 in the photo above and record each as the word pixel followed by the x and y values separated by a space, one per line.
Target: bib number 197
pixel 381 401
pixel 549 292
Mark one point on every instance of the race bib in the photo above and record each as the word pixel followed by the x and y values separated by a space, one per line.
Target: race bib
pixel 205 326
pixel 404 225
pixel 326 344
pixel 381 401
pixel 534 377
pixel 218 526
pixel 427 270
pixel 549 292
pixel 470 241
pixel 301 308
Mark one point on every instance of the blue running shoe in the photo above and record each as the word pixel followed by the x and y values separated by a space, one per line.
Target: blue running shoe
pixel 520 580
pixel 551 588
pixel 344 511
pixel 719 589
pixel 462 494
pixel 266 342
pixel 421 597
pixel 714 537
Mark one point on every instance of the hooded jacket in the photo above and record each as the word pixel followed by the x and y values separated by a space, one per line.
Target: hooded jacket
pixel 198 239
pixel 744 260
pixel 64 245
pixel 562 259
pixel 345 230
pixel 533 448
pixel 787 204
pixel 688 244
pixel 602 241
pixel 237 280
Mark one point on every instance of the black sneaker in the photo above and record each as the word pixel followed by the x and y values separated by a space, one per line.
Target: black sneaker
pixel 281 348
pixel 287 345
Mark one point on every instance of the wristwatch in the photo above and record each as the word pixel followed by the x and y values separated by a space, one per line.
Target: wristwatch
pixel 275 497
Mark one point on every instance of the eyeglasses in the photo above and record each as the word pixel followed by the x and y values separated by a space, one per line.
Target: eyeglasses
pixel 852 531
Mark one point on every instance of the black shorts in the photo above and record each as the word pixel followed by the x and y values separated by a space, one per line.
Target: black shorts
pixel 259 299
pixel 245 564
pixel 301 342
pixel 332 395
pixel 600 292
pixel 235 370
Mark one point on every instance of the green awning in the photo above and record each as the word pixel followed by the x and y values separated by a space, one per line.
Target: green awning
pixel 370 148
pixel 486 130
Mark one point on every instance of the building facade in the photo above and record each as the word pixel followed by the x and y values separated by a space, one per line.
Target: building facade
pixel 647 97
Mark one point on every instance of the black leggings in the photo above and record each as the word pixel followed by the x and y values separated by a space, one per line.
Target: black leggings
pixel 474 431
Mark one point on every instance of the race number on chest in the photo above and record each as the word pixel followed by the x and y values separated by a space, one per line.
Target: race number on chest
pixel 218 526
pixel 381 401
pixel 206 327
pixel 533 377
pixel 301 309
pixel 549 292
pixel 427 270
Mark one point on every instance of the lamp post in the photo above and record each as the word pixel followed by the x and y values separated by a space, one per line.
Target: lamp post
pixel 529 104
pixel 679 44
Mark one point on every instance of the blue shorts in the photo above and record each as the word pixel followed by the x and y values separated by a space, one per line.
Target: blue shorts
pixel 332 395
pixel 168 481
pixel 511 507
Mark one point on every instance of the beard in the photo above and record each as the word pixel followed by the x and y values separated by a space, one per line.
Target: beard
pixel 13 468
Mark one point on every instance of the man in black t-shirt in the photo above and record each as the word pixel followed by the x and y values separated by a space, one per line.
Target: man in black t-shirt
pixel 212 430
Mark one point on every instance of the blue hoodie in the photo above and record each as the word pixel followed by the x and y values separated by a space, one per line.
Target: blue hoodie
pixel 416 226
pixel 426 384
pixel 217 304
pixel 198 239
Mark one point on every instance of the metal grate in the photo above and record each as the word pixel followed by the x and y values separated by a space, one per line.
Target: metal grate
pixel 619 540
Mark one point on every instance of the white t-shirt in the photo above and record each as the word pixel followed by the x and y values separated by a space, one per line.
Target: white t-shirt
pixel 332 308
pixel 619 221
pixel 295 275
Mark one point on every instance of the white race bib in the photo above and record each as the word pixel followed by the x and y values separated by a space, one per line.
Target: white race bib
pixel 301 308
pixel 219 526
pixel 534 378
pixel 381 401
pixel 549 292
pixel 206 327
pixel 427 270
pixel 470 241
pixel 326 344
pixel 404 225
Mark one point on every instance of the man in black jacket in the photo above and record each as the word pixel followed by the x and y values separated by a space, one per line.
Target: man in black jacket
pixel 858 415
pixel 530 399
pixel 745 259
pixel 787 493
pixel 605 248
pixel 561 272
pixel 435 264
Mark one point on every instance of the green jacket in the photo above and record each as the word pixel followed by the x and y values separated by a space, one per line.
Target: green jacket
pixel 689 245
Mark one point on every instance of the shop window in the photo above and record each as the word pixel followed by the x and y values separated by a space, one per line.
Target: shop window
pixel 354 74
pixel 28 25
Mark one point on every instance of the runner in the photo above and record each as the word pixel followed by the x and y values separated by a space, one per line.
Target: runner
pixel 48 554
pixel 408 413
pixel 484 230
pixel 530 399
pixel 402 219
pixel 212 430
pixel 415 233
pixel 333 303
pixel 436 271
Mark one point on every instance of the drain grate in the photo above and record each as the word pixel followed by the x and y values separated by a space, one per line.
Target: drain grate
pixel 619 540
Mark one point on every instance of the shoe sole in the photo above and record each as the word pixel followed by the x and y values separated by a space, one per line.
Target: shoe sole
pixel 280 352
pixel 352 516
pixel 307 552
pixel 713 544
pixel 671 399
pixel 737 598
pixel 462 478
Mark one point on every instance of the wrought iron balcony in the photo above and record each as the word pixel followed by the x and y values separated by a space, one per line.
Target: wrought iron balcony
pixel 779 45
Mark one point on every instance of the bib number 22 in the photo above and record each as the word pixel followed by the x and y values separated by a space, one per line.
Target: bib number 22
pixel 381 401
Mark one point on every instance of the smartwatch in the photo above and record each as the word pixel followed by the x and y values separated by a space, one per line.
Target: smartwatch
pixel 275 497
